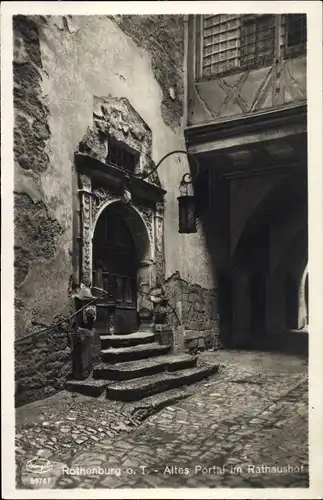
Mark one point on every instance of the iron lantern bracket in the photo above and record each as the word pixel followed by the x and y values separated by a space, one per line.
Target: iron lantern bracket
pixel 186 202
pixel 176 151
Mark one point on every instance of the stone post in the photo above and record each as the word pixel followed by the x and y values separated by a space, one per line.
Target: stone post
pixel 179 331
pixel 86 211
pixel 85 344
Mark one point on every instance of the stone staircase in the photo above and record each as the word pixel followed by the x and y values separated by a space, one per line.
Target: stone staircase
pixel 134 366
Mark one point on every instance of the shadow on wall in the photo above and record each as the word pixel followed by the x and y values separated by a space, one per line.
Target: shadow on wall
pixel 258 304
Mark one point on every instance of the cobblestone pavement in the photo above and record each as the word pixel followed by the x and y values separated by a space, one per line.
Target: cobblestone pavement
pixel 233 431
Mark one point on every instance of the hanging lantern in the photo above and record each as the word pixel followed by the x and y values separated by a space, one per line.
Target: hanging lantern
pixel 186 201
pixel 186 207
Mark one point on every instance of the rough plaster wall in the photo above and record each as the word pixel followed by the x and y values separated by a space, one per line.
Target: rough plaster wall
pixel 59 66
pixel 56 78
pixel 41 233
pixel 42 228
pixel 116 65
pixel 163 37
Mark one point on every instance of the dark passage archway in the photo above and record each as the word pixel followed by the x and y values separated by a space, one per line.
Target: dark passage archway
pixel 258 304
pixel 272 246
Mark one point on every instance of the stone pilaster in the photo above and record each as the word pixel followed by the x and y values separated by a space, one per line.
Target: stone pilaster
pixel 159 242
pixel 86 214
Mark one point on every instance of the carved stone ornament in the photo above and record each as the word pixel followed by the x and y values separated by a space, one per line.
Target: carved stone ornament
pixel 86 203
pixel 85 182
pixel 100 197
pixel 126 197
pixel 115 118
pixel 89 315
pixel 147 214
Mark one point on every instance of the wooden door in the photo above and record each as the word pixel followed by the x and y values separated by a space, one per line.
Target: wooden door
pixel 115 268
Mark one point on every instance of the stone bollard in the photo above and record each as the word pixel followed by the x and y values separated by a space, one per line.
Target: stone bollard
pixel 165 335
pixel 179 339
pixel 179 330
pixel 86 352
pixel 86 345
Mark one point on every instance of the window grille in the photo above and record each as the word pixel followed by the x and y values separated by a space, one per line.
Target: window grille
pixel 236 42
pixel 257 40
pixel 293 34
pixel 220 43
pixel 121 156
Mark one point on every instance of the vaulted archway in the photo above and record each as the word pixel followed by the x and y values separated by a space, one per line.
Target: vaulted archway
pixel 268 262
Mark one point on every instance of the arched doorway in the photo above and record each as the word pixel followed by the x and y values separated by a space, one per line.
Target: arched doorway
pixel 119 244
pixel 114 259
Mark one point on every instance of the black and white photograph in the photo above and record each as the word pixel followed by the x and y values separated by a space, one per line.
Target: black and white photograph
pixel 165 288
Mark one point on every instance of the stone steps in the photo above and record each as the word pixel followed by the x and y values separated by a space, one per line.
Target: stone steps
pixel 143 408
pixel 133 390
pixel 143 368
pixel 141 351
pixel 143 387
pixel 89 387
pixel 135 366
pixel 126 340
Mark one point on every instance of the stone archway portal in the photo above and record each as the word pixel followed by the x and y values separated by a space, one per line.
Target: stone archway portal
pixel 101 187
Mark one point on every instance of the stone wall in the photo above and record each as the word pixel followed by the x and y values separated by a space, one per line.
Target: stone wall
pixel 197 308
pixel 42 365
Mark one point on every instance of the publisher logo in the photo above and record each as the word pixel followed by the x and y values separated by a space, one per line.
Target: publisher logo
pixel 39 465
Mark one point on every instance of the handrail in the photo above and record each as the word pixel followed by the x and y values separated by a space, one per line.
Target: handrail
pixel 176 151
pixel 172 308
pixel 65 320
pixel 128 175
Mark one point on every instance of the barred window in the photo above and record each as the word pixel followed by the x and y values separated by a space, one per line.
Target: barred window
pixel 293 33
pixel 257 40
pixel 233 42
pixel 121 156
pixel 220 43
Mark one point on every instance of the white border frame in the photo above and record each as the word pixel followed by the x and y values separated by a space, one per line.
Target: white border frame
pixel 315 134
